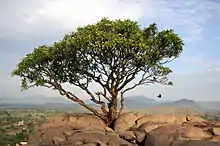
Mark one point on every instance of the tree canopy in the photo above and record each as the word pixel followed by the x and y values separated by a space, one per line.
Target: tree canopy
pixel 111 53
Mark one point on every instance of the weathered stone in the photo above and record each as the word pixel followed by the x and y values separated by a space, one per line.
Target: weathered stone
pixel 216 130
pixel 125 121
pixel 87 122
pixel 89 137
pixel 77 143
pixel 140 135
pixel 177 119
pixel 58 140
pixel 149 126
pixel 107 129
pixel 215 139
pixel 193 143
pixel 127 135
pixel 187 135
pixel 194 133
pixel 160 140
pixel 90 144
pixel 87 129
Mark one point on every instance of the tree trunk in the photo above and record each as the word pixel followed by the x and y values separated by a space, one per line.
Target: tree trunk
pixel 112 114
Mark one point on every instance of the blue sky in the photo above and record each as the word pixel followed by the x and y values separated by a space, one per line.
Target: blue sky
pixel 26 24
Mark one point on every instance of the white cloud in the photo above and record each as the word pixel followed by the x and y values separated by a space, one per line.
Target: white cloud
pixel 214 70
pixel 189 16
pixel 60 16
pixel 65 15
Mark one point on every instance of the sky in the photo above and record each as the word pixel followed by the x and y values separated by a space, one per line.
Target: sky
pixel 27 24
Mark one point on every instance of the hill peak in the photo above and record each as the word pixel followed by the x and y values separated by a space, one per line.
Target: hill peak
pixel 185 101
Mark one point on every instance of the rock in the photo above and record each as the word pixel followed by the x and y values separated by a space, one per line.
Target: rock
pixel 177 135
pixel 78 143
pixel 177 119
pixel 194 133
pixel 149 126
pixel 91 137
pixel 127 135
pixel 87 122
pixel 91 131
pixel 90 144
pixel 140 136
pixel 114 134
pixel 45 136
pixel 215 139
pixel 98 138
pixel 162 136
pixel 217 124
pixel 194 143
pixel 125 121
pixel 114 141
pixel 58 140
pixel 68 133
pixel 65 126
pixel 107 129
pixel 216 130
pixel 132 129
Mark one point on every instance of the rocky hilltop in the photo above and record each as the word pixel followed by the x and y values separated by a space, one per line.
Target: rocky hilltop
pixel 129 129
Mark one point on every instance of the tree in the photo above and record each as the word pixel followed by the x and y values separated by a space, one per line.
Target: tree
pixel 110 53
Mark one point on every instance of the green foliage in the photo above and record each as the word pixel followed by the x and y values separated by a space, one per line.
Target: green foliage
pixel 117 48
pixel 110 53
pixel 12 139
pixel 10 133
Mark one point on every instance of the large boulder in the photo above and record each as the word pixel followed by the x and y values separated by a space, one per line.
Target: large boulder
pixel 126 121
pixel 194 143
pixel 216 138
pixel 85 129
pixel 49 136
pixel 150 121
pixel 216 130
pixel 63 126
pixel 194 133
pixel 133 136
pixel 95 138
pixel 179 135
pixel 167 118
pixel 85 121
pixel 149 126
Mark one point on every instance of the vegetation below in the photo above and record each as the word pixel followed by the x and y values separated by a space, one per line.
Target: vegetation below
pixel 16 125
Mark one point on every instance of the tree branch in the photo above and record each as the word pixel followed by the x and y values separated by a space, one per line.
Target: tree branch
pixel 141 82
pixel 122 103
pixel 167 61
pixel 74 98
pixel 129 78
pixel 85 88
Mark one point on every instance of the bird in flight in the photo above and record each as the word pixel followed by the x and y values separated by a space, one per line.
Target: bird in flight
pixel 159 96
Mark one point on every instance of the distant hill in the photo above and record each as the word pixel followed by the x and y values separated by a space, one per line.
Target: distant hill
pixel 186 103
pixel 131 102
pixel 135 102
pixel 46 106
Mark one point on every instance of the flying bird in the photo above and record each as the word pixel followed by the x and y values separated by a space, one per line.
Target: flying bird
pixel 159 96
